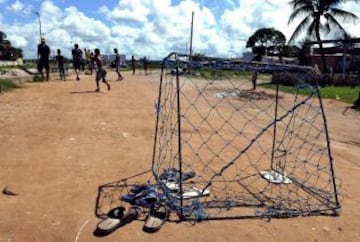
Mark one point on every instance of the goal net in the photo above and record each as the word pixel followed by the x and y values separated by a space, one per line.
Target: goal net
pixel 227 148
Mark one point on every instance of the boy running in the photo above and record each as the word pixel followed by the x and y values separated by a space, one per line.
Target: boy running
pixel 101 71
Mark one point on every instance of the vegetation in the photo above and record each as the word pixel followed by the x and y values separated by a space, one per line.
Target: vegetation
pixel 266 40
pixel 214 73
pixel 320 17
pixel 8 52
pixel 343 93
pixel 7 85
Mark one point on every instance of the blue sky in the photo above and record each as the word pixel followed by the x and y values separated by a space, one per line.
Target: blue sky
pixel 150 28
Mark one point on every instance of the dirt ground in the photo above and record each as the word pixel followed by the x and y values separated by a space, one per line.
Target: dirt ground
pixel 60 141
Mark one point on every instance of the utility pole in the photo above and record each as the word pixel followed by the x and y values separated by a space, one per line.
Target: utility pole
pixel 191 35
pixel 39 19
pixel 38 14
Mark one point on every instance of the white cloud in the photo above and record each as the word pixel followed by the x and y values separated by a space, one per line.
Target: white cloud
pixel 128 10
pixel 152 28
pixel 2 1
pixel 17 6
pixel 104 10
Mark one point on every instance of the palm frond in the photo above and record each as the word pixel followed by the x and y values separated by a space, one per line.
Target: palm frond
pixel 345 1
pixel 325 28
pixel 335 24
pixel 311 29
pixel 305 10
pixel 344 15
pixel 330 3
pixel 298 3
pixel 300 28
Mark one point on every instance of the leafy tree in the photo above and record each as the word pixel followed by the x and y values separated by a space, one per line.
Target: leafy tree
pixel 266 41
pixel 8 52
pixel 290 51
pixel 2 36
pixel 198 57
pixel 315 11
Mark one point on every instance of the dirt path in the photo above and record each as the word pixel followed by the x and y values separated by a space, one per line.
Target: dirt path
pixel 60 141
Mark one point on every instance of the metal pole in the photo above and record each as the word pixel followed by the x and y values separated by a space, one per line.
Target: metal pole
pixel 38 14
pixel 40 26
pixel 191 35
pixel 272 166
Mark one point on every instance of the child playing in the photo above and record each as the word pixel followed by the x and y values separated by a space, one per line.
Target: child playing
pixel 117 65
pixel 60 62
pixel 101 71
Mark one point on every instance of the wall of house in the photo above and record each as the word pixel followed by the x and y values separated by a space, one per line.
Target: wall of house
pixel 333 61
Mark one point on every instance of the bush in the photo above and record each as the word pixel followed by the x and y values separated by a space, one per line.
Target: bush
pixel 38 79
pixel 7 85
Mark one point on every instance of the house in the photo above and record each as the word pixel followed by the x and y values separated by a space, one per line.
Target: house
pixel 342 56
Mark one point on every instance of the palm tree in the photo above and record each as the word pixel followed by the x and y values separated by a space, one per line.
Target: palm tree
pixel 315 11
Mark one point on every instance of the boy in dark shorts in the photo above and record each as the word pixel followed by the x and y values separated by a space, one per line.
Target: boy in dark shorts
pixel 101 71
pixel 133 64
pixel 77 57
pixel 43 56
pixel 60 62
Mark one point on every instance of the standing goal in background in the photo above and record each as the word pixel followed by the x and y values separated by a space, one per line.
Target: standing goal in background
pixel 239 152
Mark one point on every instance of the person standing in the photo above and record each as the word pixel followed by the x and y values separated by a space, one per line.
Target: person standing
pixel 254 78
pixel 118 65
pixel 77 58
pixel 43 58
pixel 133 61
pixel 91 63
pixel 101 71
pixel 87 58
pixel 145 65
pixel 60 62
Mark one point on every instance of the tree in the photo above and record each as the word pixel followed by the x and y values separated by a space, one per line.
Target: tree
pixel 8 52
pixel 320 17
pixel 198 57
pixel 290 51
pixel 2 36
pixel 265 41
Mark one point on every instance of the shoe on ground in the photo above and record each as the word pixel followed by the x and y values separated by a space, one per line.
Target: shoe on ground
pixel 158 215
pixel 117 218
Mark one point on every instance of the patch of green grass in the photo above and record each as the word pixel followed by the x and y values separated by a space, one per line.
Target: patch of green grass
pixel 38 78
pixel 344 93
pixel 7 85
pixel 211 73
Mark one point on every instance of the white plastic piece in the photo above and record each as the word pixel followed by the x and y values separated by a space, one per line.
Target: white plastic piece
pixel 194 193
pixel 275 177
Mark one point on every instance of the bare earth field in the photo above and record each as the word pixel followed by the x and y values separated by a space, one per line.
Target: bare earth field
pixel 60 141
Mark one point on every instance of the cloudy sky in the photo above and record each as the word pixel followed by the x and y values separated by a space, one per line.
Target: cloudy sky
pixel 150 28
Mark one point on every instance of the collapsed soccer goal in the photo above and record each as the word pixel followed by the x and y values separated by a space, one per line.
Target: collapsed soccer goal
pixel 242 140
